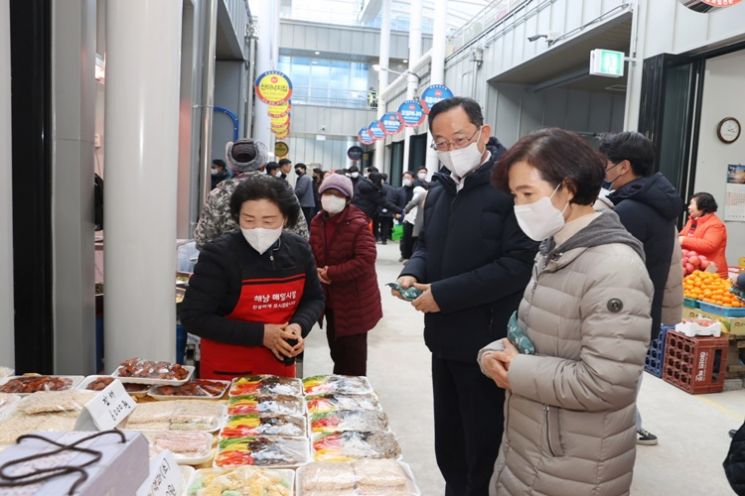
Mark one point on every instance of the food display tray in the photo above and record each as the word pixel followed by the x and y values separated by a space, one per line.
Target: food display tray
pixel 156 382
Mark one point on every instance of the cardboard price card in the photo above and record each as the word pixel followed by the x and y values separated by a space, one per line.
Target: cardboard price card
pixel 165 478
pixel 108 408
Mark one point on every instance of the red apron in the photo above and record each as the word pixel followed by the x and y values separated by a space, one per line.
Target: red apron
pixel 268 301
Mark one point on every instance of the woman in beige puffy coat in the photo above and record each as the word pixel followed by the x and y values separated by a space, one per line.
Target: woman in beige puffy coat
pixel 569 412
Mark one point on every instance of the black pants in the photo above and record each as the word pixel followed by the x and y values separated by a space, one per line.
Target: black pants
pixel 407 241
pixel 386 228
pixel 349 353
pixel 468 426
pixel 308 213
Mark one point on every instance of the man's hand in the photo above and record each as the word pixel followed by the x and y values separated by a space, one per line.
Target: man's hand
pixel 323 275
pixel 275 337
pixel 426 302
pixel 405 282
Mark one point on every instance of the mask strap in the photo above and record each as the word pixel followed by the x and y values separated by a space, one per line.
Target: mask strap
pixel 552 195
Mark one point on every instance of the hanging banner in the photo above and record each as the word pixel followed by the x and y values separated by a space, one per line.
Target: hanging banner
pixel 364 137
pixel 281 127
pixel 434 94
pixel 284 134
pixel 412 113
pixel 280 110
pixel 355 153
pixel 281 149
pixel 391 123
pixel 273 88
pixel 374 130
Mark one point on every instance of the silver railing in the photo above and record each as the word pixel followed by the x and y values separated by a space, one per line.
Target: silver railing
pixel 485 19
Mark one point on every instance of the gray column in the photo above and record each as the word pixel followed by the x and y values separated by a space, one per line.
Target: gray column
pixel 383 61
pixel 7 349
pixel 412 82
pixel 73 124
pixel 143 41
pixel 267 57
pixel 437 69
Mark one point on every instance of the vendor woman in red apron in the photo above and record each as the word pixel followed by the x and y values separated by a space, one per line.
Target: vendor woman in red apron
pixel 255 293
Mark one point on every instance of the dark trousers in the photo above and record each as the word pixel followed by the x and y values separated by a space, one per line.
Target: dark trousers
pixel 376 228
pixel 308 213
pixel 349 353
pixel 386 228
pixel 468 426
pixel 407 241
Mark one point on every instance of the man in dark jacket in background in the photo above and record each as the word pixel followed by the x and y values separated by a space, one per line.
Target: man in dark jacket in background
pixel 304 191
pixel 472 262
pixel 648 206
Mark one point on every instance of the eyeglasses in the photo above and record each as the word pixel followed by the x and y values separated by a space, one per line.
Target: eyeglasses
pixel 456 144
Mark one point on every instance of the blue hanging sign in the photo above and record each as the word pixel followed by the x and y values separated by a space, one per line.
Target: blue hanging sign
pixel 375 132
pixel 391 123
pixel 434 94
pixel 412 113
pixel 364 137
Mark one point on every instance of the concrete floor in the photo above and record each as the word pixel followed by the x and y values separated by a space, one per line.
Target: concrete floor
pixel 692 429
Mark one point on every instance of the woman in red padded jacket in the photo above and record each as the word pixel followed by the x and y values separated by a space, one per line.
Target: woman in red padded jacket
pixel 704 232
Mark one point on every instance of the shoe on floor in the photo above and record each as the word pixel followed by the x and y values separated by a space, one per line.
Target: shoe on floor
pixel 732 432
pixel 646 438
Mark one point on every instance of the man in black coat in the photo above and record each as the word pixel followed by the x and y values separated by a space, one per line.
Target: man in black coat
pixel 648 206
pixel 473 262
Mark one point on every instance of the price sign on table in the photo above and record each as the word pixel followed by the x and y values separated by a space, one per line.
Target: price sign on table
pixel 165 477
pixel 107 409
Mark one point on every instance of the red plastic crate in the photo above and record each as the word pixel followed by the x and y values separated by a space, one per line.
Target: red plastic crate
pixel 695 365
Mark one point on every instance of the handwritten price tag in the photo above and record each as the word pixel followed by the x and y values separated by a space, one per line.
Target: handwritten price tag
pixel 165 477
pixel 109 407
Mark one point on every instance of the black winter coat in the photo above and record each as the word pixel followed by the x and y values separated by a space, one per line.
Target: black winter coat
pixel 477 259
pixel 219 274
pixel 370 199
pixel 649 207
pixel 734 464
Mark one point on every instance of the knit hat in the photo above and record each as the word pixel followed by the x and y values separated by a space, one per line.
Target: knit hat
pixel 245 155
pixel 340 183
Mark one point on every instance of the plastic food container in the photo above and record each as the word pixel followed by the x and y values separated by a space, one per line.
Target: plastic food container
pixel 31 383
pixel 189 448
pixel 242 480
pixel 266 405
pixel 199 389
pixel 259 425
pixel 134 390
pixel 383 477
pixel 337 384
pixel 263 451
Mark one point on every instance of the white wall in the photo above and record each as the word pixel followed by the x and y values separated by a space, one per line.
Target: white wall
pixel 7 349
pixel 666 26
pixel 331 153
pixel 724 95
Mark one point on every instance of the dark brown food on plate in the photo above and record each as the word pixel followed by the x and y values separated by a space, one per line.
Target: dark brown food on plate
pixel 148 369
pixel 32 384
pixel 100 383
pixel 199 387
pixel 136 388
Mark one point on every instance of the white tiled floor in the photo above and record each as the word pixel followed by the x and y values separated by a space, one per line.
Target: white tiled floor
pixel 692 429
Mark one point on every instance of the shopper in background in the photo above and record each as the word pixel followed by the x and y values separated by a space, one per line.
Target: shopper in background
pixel 406 193
pixel 272 169
pixel 569 425
pixel 648 206
pixel 705 233
pixel 353 173
pixel 386 215
pixel 304 191
pixel 370 198
pixel 472 263
pixel 255 293
pixel 413 220
pixel 421 176
pixel 318 175
pixel 285 167
pixel 344 250
pixel 218 172
pixel 245 157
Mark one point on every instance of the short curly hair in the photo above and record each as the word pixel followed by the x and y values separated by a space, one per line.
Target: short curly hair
pixel 260 187
pixel 705 202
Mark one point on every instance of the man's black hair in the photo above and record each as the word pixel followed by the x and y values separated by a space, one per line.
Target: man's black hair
pixel 266 188
pixel 631 146
pixel 469 106
pixel 284 161
pixel 219 162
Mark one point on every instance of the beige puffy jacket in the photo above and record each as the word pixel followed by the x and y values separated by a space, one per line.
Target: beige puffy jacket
pixel 569 419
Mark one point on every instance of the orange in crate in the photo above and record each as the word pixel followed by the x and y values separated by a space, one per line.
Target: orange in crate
pixel 696 365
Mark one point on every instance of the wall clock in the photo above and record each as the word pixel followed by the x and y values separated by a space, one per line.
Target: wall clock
pixel 728 130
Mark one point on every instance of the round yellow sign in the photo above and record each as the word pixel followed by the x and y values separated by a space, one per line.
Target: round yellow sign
pixel 273 88
pixel 280 121
pixel 281 149
pixel 280 110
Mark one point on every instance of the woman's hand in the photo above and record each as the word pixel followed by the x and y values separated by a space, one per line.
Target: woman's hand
pixel 323 275
pixel 297 334
pixel 275 336
pixel 425 303
pixel 497 363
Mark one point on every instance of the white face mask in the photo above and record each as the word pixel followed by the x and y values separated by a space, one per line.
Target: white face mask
pixel 355 175
pixel 422 176
pixel 540 220
pixel 261 238
pixel 462 161
pixel 333 204
pixel 406 182
pixel 214 171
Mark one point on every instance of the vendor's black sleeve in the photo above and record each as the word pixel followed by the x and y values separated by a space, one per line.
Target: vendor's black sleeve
pixel 210 297
pixel 313 302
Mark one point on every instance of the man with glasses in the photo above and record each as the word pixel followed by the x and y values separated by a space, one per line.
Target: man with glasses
pixel 472 263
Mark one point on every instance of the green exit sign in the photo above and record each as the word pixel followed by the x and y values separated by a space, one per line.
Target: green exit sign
pixel 608 63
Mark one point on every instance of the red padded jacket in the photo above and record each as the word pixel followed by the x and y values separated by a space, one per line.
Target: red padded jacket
pixel 353 295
